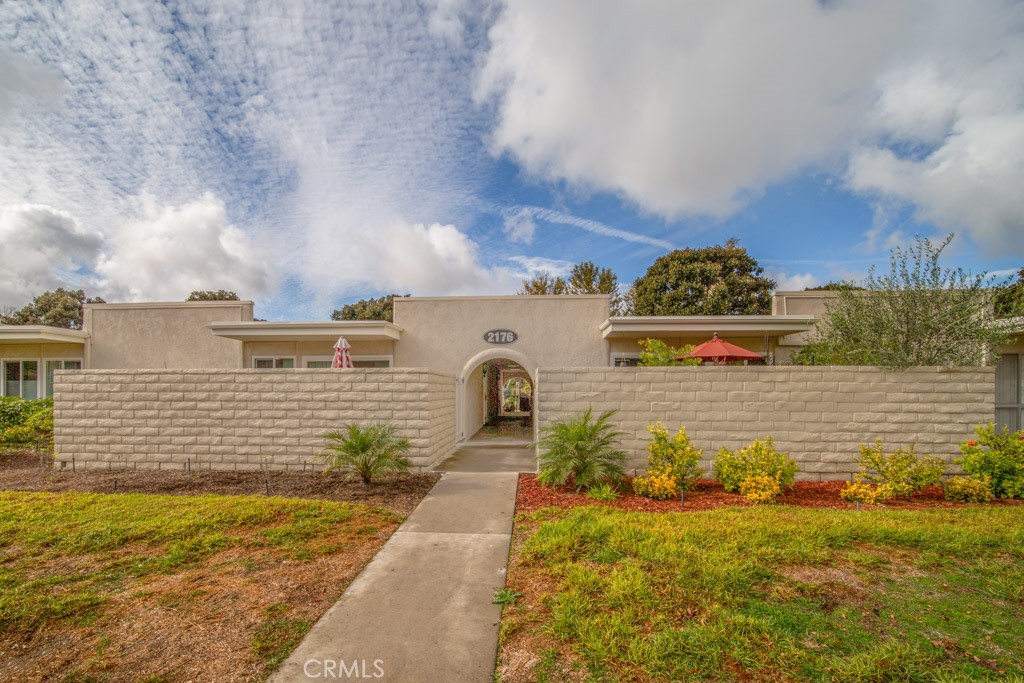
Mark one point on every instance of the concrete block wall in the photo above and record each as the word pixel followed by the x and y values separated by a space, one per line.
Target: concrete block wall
pixel 820 415
pixel 241 419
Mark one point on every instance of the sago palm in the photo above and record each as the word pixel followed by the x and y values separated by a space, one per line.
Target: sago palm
pixel 581 449
pixel 367 451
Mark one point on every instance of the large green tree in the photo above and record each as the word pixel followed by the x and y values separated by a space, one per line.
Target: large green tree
pixel 718 280
pixel 59 308
pixel 210 295
pixel 584 278
pixel 918 314
pixel 368 309
pixel 1009 299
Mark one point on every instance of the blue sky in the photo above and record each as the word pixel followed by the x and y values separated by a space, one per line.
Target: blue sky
pixel 306 154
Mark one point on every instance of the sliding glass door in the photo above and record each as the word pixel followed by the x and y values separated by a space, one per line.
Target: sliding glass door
pixel 21 378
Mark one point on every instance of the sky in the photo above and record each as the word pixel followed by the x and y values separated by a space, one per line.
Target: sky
pixel 310 153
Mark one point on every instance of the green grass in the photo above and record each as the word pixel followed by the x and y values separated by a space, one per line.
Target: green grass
pixel 63 555
pixel 771 594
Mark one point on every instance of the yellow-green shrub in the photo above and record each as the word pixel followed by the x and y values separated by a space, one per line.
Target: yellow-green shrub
pixel 968 489
pixel 903 471
pixel 18 434
pixel 869 494
pixel 674 454
pixel 757 459
pixel 760 489
pixel 659 484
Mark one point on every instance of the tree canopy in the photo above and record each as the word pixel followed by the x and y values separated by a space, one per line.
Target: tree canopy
pixel 368 309
pixel 1009 299
pixel 585 278
pixel 917 314
pixel 210 295
pixel 719 280
pixel 59 308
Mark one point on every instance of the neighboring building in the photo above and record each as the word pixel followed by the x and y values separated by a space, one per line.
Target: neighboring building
pixel 490 344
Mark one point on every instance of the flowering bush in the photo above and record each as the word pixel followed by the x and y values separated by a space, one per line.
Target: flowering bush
pixel 968 489
pixel 659 484
pixel 902 471
pixel 997 456
pixel 870 494
pixel 674 454
pixel 760 489
pixel 759 458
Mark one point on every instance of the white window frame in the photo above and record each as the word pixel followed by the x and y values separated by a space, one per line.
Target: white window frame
pixel 620 355
pixel 274 359
pixel 63 359
pixel 40 370
pixel 389 358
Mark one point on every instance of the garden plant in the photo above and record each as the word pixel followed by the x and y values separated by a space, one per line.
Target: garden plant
pixel 998 456
pixel 759 459
pixel 903 472
pixel 582 450
pixel 671 465
pixel 368 452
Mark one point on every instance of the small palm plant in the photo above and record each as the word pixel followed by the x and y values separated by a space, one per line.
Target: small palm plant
pixel 582 449
pixel 367 451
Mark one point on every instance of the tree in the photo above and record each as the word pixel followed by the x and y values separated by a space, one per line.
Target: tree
pixel 832 287
pixel 369 309
pixel 657 353
pixel 1009 300
pixel 917 314
pixel 718 280
pixel 210 295
pixel 542 284
pixel 584 278
pixel 59 308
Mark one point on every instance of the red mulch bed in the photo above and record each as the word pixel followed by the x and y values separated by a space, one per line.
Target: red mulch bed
pixel 708 495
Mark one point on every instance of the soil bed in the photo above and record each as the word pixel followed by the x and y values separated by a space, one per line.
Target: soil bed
pixel 709 495
pixel 26 471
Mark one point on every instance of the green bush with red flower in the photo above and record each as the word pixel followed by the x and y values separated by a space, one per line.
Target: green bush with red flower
pixel 997 456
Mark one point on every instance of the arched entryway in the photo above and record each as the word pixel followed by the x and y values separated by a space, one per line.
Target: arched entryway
pixel 497 398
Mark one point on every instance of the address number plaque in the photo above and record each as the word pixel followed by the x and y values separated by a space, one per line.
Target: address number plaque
pixel 500 336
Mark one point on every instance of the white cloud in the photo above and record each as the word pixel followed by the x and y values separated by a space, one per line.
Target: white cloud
pixel 690 107
pixel 792 283
pixel 171 251
pixel 43 248
pixel 520 214
pixel 519 226
pixel 26 83
pixel 535 265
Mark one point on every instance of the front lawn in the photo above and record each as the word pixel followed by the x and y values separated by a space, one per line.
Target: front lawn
pixel 157 587
pixel 772 593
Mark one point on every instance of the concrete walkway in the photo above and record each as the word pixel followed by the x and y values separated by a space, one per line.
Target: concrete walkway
pixel 474 456
pixel 421 610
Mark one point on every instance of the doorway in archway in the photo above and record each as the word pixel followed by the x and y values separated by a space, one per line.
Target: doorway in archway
pixel 499 402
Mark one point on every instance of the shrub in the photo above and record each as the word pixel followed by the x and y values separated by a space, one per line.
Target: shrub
pixel 757 459
pixel 659 484
pixel 657 353
pixel 15 410
pixel 968 489
pixel 41 424
pixel 997 456
pixel 603 492
pixel 869 494
pixel 674 454
pixel 367 451
pixel 18 434
pixel 760 489
pixel 902 471
pixel 581 449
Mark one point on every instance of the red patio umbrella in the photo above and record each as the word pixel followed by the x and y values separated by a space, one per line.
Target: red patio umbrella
pixel 720 352
pixel 342 354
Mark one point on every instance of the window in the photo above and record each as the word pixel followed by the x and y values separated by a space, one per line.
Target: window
pixel 53 365
pixel 21 378
pixel 357 361
pixel 1009 397
pixel 625 360
pixel 273 363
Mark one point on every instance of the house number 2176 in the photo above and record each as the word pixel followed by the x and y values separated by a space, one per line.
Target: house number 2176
pixel 500 336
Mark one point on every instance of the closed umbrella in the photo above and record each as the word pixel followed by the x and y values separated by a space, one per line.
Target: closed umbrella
pixel 342 354
pixel 720 352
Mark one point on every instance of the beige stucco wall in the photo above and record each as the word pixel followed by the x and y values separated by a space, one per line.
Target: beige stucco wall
pixel 445 334
pixel 302 350
pixel 163 335
pixel 241 419
pixel 820 415
pixel 474 414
